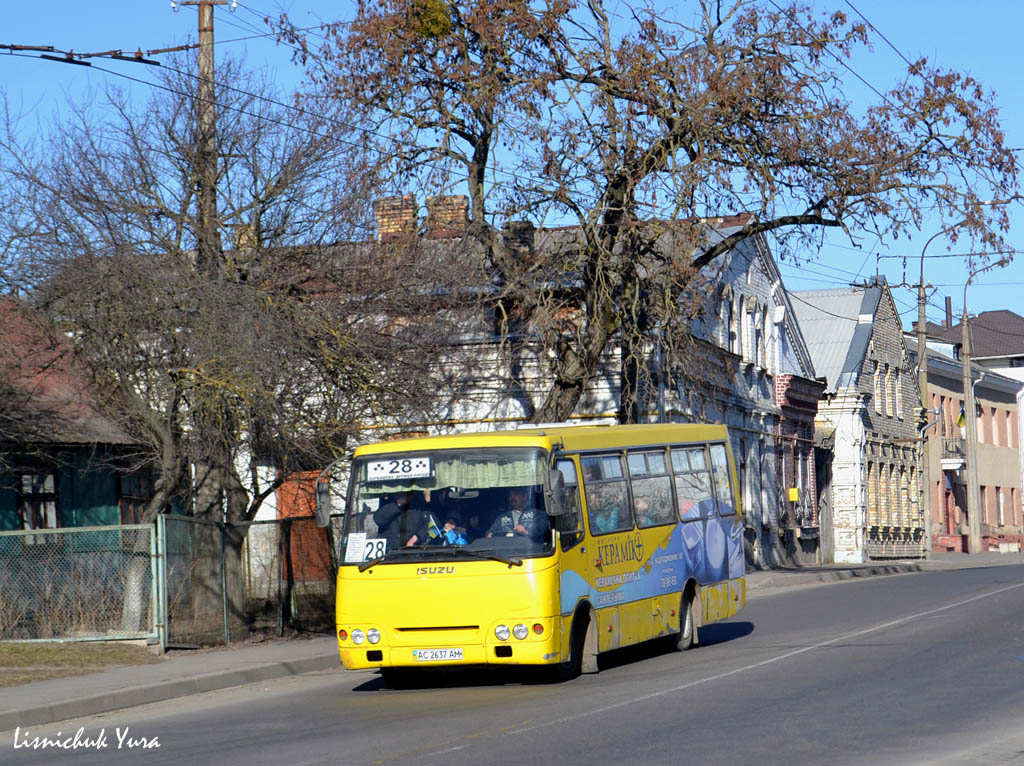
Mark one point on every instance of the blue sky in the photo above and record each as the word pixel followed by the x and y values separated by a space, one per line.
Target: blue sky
pixel 981 39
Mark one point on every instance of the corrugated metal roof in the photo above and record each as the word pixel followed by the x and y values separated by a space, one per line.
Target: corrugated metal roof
pixel 836 325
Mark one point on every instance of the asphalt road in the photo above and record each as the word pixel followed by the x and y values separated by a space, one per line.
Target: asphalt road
pixel 913 669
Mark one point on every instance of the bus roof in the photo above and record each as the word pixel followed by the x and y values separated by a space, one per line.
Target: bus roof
pixel 568 437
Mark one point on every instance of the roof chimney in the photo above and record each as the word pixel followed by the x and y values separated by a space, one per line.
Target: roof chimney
pixel 447 217
pixel 396 217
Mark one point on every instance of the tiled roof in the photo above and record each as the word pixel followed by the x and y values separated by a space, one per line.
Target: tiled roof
pixel 45 398
pixel 993 333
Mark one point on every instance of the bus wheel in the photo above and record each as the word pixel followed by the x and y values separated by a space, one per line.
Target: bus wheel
pixel 687 625
pixel 572 667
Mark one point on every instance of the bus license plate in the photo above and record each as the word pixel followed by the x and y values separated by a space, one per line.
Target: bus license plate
pixel 436 655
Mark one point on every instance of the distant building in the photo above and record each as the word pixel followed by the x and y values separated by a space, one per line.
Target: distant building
pixel 867 423
pixel 997 341
pixel 997 361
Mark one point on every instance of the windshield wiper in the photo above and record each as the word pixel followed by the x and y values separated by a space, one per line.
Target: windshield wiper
pixel 374 562
pixel 512 562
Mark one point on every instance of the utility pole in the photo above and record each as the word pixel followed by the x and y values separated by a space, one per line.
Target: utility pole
pixel 208 244
pixel 973 490
pixel 970 413
pixel 922 382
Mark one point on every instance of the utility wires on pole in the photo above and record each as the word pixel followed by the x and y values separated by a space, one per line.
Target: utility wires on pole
pixel 208 231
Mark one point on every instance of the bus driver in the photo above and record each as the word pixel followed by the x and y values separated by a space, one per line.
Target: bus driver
pixel 520 519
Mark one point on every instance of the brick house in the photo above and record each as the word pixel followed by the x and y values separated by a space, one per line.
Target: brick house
pixel 997 400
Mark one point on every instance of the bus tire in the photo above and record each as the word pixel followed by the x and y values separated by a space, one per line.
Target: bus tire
pixel 687 622
pixel 573 667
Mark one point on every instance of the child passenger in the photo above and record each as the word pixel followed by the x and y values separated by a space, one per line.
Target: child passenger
pixel 453 533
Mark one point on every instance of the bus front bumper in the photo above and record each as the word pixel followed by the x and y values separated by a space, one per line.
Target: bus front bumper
pixel 543 649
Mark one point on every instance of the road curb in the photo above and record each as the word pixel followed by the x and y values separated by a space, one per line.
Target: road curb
pixel 160 692
pixel 770 579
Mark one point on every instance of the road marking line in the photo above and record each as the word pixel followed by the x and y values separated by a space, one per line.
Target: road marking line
pixel 756 665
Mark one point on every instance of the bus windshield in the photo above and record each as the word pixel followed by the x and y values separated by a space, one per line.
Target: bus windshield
pixel 446 504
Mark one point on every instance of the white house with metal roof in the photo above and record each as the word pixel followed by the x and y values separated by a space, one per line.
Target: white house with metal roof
pixel 869 419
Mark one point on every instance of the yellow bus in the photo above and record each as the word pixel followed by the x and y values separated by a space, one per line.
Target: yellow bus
pixel 543 546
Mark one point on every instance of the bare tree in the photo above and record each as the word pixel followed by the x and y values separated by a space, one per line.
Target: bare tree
pixel 268 356
pixel 636 129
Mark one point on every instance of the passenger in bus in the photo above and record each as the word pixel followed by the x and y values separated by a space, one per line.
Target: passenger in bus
pixel 645 517
pixel 401 524
pixel 474 531
pixel 453 533
pixel 605 519
pixel 521 519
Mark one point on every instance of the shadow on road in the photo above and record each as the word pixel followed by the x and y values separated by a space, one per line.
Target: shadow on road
pixel 718 633
pixel 446 678
pixel 722 632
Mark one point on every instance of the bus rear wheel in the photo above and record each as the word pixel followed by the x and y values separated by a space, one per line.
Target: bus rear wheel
pixel 687 624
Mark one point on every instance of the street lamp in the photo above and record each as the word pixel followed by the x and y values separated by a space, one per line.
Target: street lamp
pixel 922 382
pixel 973 488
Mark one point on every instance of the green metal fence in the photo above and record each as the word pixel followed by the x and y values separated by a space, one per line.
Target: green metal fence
pixel 79 584
pixel 223 581
pixel 181 582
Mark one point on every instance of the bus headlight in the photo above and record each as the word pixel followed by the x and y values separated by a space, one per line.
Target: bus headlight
pixel 358 636
pixel 520 632
pixel 373 635
pixel 502 632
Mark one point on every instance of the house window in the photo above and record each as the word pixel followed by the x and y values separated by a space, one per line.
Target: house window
pixel 872 496
pixel 898 393
pixel 886 393
pixel 878 390
pixel 725 330
pixel 758 350
pixel 135 490
pixel 37 499
pixel 734 327
pixel 747 331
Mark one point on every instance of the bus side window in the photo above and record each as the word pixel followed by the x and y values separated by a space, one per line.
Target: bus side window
pixel 723 484
pixel 570 523
pixel 693 484
pixel 605 484
pixel 652 488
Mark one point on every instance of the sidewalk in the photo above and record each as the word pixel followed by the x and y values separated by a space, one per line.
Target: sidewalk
pixel 189 673
pixel 180 675
pixel 810 575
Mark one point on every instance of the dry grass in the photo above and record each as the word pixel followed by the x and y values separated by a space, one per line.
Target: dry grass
pixel 22 663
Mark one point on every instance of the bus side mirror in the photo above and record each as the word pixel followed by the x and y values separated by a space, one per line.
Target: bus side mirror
pixel 323 504
pixel 554 493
